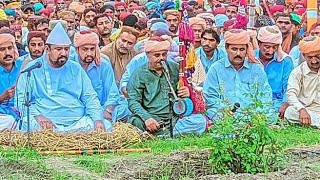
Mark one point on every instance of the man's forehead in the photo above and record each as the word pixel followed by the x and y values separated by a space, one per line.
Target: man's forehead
pixel 6 44
pixel 128 37
pixel 36 40
pixel 283 18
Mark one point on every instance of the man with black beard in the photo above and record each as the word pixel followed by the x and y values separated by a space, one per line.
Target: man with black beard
pixel 172 17
pixel 36 43
pixel 104 26
pixel 63 98
pixel 88 16
pixel 100 72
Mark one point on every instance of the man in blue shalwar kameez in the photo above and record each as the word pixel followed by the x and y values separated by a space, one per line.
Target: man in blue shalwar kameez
pixel 100 72
pixel 62 96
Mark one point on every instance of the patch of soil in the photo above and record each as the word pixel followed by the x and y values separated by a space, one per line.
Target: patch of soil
pixel 67 166
pixel 302 164
pixel 177 165
pixel 20 169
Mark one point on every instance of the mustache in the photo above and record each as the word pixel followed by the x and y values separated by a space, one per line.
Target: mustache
pixel 37 52
pixel 238 57
pixel 7 57
pixel 62 57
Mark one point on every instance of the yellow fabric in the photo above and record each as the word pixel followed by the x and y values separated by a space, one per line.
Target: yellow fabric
pixel 3 15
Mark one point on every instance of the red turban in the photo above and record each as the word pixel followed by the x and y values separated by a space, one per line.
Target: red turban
pixel 276 8
pixel 46 12
pixel 123 15
pixel 118 4
pixel 88 37
pixel 219 10
pixel 299 3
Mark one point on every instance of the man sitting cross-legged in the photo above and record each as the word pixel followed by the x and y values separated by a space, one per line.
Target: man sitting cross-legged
pixel 62 96
pixel 100 72
pixel 303 92
pixel 148 96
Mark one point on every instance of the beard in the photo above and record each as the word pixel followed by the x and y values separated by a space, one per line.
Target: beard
pixel 71 33
pixel 59 62
pixel 36 54
pixel 88 59
pixel 91 24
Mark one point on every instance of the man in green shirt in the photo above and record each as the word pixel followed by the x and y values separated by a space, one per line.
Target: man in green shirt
pixel 148 94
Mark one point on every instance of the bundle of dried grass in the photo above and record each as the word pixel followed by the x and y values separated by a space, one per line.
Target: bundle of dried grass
pixel 122 136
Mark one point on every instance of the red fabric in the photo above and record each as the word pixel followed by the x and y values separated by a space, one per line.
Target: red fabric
pixel 117 4
pixel 139 8
pixel 276 8
pixel 219 10
pixel 46 12
pixel 301 11
pixel 299 3
pixel 124 15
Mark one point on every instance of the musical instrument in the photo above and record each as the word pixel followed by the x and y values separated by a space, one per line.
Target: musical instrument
pixel 187 59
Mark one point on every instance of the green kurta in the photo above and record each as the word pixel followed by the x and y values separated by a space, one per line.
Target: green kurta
pixel 148 94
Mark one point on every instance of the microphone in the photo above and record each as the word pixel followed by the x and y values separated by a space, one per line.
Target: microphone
pixel 164 66
pixel 235 107
pixel 35 66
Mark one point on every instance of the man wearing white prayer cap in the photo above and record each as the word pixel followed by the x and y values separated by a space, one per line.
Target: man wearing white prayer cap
pixel 63 98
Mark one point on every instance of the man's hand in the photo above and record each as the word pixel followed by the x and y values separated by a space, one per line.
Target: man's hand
pixel 45 123
pixel 107 115
pixel 304 117
pixel 99 126
pixel 124 92
pixel 282 109
pixel 152 125
pixel 8 94
pixel 183 92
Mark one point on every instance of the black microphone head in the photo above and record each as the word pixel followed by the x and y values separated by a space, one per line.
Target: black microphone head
pixel 38 64
pixel 237 105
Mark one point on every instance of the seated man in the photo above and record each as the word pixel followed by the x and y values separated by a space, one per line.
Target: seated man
pixel 35 43
pixel 62 96
pixel 148 94
pixel 277 64
pixel 101 74
pixel 9 71
pixel 303 86
pixel 232 79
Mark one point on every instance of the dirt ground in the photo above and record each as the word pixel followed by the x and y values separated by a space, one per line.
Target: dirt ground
pixel 304 163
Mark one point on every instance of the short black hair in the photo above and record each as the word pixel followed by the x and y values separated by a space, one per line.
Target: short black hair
pixel 212 32
pixel 284 15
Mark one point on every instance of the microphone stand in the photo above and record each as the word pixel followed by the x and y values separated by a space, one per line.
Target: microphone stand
pixel 172 97
pixel 28 104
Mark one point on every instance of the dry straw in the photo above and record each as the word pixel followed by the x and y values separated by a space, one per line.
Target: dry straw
pixel 122 136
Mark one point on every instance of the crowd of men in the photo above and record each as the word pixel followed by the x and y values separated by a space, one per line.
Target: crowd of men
pixel 101 63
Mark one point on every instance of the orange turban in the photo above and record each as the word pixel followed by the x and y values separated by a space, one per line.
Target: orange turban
pixel 272 34
pixel 156 43
pixel 88 37
pixel 5 38
pixel 241 37
pixel 198 21
pixel 309 44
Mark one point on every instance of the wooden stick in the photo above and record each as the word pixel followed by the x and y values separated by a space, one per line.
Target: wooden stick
pixel 90 152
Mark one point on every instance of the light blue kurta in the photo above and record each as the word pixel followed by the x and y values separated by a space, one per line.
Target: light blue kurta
pixel 63 95
pixel 104 83
pixel 218 54
pixel 278 75
pixel 7 80
pixel 226 86
pixel 295 54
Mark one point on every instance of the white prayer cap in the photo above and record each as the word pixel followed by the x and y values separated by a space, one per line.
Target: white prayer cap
pixel 59 36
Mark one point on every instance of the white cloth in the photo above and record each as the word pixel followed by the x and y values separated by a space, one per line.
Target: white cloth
pixel 6 121
pixel 303 92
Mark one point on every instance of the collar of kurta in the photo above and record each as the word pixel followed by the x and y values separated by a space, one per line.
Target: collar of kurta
pixel 2 69
pixel 91 65
pixel 306 70
pixel 228 64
